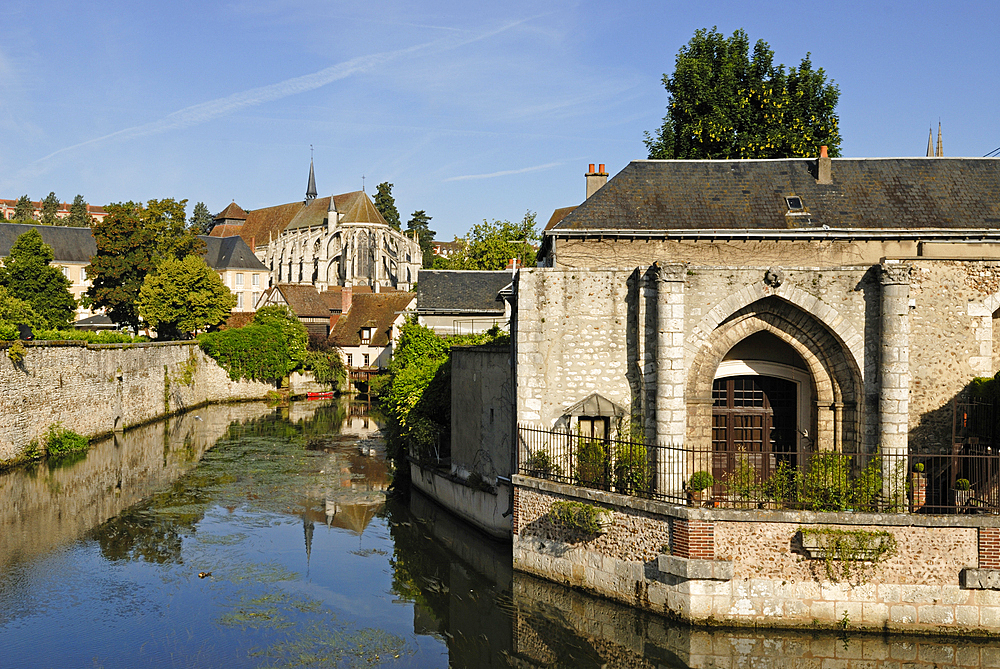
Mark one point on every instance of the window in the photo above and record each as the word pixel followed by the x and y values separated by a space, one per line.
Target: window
pixel 350 360
pixel 65 271
pixel 239 300
pixel 594 427
pixel 366 336
pixel 239 280
pixel 367 362
pixel 254 297
pixel 83 274
pixel 794 203
pixel 255 280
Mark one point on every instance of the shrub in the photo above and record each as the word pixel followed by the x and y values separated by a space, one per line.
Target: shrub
pixel 16 352
pixel 60 441
pixel 963 484
pixel 577 516
pixel 591 464
pixel 919 467
pixel 541 464
pixel 632 471
pixel 327 367
pixel 824 485
pixel 744 481
pixel 700 481
pixel 254 352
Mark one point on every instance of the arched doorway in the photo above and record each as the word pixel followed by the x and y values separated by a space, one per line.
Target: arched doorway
pixel 762 397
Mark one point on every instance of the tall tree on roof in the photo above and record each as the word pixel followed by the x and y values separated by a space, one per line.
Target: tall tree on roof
pixel 420 223
pixel 492 244
pixel 28 275
pixel 50 206
pixel 131 240
pixel 79 215
pixel 24 210
pixel 201 219
pixel 723 103
pixel 386 204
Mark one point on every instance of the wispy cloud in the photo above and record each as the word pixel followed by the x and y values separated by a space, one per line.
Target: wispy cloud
pixel 207 111
pixel 491 175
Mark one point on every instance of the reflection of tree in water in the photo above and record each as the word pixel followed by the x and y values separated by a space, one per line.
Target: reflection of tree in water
pixel 262 464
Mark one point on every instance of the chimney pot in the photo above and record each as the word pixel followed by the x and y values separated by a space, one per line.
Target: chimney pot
pixel 601 171
pixel 591 170
pixel 595 180
pixel 822 152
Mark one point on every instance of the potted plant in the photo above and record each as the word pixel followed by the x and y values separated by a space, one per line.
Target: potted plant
pixel 697 485
pixel 962 493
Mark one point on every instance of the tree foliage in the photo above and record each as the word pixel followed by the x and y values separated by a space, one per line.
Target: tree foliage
pixel 269 349
pixel 724 103
pixel 201 219
pixel 50 207
pixel 386 204
pixel 492 244
pixel 184 296
pixel 28 275
pixel 79 215
pixel 24 210
pixel 420 223
pixel 15 311
pixel 131 240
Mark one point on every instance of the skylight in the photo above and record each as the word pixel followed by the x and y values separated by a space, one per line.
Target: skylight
pixel 794 203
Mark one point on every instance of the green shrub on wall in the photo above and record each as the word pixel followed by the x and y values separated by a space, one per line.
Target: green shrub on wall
pixel 254 352
pixel 59 441
pixel 578 516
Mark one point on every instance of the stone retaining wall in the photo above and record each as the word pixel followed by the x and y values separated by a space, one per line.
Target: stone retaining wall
pixel 98 389
pixel 751 568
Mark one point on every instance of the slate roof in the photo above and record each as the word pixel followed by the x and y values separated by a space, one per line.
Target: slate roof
pixel 230 253
pixel 461 291
pixel 68 244
pixel 304 300
pixel 865 193
pixel 379 308
pixel 558 215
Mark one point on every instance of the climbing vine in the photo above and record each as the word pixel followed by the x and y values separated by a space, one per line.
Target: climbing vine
pixel 843 550
pixel 585 518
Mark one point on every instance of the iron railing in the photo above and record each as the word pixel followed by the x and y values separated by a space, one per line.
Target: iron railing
pixel 818 481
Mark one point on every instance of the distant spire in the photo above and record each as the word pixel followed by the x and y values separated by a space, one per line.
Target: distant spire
pixel 311 188
pixel 940 146
pixel 930 142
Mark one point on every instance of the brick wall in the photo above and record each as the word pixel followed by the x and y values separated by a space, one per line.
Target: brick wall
pixel 989 548
pixel 694 539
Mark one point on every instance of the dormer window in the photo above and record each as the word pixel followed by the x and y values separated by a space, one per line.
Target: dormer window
pixel 794 203
pixel 366 335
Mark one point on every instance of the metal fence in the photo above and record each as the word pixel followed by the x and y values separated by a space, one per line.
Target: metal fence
pixel 964 481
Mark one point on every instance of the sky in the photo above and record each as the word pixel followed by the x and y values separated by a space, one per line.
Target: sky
pixel 472 110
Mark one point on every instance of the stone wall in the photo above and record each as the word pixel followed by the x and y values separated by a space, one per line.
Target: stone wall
pixel 757 571
pixel 98 389
pixel 481 419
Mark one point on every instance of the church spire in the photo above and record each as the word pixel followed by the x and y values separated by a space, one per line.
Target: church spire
pixel 940 146
pixel 311 188
pixel 930 143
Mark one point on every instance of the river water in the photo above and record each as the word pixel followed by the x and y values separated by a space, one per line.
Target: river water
pixel 251 536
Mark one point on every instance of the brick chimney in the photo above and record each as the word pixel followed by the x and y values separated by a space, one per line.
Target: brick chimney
pixel 346 296
pixel 823 168
pixel 595 179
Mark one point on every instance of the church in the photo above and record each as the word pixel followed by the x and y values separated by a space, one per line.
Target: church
pixel 340 240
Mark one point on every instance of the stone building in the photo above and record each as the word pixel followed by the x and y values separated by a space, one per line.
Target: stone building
pixel 340 240
pixel 462 301
pixel 768 306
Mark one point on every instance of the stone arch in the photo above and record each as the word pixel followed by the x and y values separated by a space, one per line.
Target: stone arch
pixel 849 338
pixel 835 376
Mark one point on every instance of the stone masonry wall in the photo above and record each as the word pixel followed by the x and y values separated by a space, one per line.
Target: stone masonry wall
pixel 95 390
pixel 757 572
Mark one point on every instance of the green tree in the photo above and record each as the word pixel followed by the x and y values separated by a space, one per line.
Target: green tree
pixel 15 311
pixel 419 223
pixel 386 204
pixel 201 220
pixel 50 206
pixel 284 320
pixel 24 210
pixel 491 245
pixel 28 275
pixel 724 103
pixel 184 296
pixel 79 215
pixel 131 240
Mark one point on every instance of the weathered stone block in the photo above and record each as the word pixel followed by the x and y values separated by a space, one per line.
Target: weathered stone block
pixel 979 579
pixel 720 570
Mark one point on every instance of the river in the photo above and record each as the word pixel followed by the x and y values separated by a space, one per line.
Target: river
pixel 251 536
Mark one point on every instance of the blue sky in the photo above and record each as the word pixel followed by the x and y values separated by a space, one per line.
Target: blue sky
pixel 473 110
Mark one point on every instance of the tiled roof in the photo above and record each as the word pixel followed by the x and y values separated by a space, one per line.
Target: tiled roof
pixel 230 253
pixel 68 244
pixel 870 193
pixel 305 300
pixel 233 211
pixel 381 308
pixel 558 215
pixel 466 291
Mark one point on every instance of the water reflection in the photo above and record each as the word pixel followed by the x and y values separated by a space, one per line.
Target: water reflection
pixel 51 503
